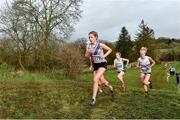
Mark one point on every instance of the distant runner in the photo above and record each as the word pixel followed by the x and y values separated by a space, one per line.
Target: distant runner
pixel 145 64
pixel 119 65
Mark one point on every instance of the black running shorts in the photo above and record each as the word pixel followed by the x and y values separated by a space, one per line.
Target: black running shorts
pixel 100 65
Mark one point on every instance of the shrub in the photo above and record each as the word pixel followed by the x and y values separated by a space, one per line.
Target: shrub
pixel 170 55
pixel 6 68
pixel 72 60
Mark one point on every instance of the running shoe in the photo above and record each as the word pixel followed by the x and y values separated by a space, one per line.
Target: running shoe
pixel 112 93
pixel 146 93
pixel 92 102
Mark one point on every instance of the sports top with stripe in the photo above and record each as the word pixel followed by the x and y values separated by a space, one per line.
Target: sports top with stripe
pixel 145 65
pixel 97 53
pixel 120 65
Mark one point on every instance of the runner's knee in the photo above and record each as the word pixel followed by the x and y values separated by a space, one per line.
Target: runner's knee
pixel 119 77
pixel 145 83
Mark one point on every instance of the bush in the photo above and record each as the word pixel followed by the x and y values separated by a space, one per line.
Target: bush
pixel 6 68
pixel 170 55
pixel 72 60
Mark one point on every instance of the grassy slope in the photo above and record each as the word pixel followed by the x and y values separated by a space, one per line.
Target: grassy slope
pixel 69 99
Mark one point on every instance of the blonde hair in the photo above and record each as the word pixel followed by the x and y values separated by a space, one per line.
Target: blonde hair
pixel 144 48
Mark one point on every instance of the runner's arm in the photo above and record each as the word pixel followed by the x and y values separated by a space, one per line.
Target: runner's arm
pixel 87 54
pixel 115 63
pixel 138 65
pixel 152 62
pixel 108 49
pixel 90 60
pixel 127 61
pixel 91 63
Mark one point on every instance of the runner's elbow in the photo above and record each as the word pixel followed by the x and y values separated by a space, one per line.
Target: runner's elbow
pixel 110 50
pixel 87 55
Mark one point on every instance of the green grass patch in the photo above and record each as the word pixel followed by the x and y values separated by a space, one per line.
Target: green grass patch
pixel 52 95
pixel 66 100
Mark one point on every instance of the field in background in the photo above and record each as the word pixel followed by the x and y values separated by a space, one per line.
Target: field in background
pixel 132 77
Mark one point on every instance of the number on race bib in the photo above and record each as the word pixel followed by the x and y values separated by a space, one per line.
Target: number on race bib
pixel 97 58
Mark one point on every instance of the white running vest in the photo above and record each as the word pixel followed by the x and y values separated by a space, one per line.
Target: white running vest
pixel 97 52
pixel 145 64
pixel 119 65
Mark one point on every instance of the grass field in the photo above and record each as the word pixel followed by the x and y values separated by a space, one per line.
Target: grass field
pixel 54 96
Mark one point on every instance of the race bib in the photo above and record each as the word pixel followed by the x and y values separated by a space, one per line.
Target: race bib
pixel 119 65
pixel 144 68
pixel 97 59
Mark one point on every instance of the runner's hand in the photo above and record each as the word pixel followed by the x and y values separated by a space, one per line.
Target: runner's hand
pixel 103 57
pixel 91 68
pixel 127 65
pixel 151 66
pixel 89 50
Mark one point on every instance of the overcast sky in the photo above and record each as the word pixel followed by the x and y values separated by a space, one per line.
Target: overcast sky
pixel 107 17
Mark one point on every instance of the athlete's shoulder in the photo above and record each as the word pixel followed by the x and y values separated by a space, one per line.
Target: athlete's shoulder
pixel 123 59
pixel 101 44
pixel 115 59
pixel 139 59
pixel 148 57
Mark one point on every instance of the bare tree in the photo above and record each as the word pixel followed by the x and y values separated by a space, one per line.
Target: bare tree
pixel 16 27
pixel 33 23
pixel 52 16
